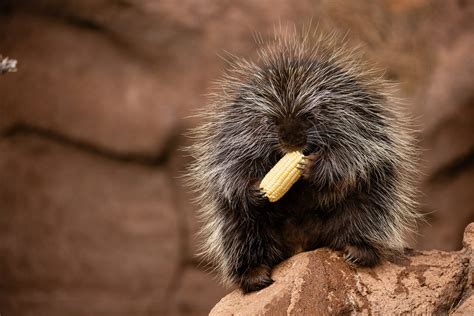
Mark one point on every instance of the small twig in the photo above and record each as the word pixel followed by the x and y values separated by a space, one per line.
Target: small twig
pixel 7 65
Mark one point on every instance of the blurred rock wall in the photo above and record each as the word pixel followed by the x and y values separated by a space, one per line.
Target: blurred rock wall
pixel 93 217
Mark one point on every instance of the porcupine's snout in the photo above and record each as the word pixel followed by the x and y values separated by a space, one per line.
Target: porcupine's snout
pixel 292 134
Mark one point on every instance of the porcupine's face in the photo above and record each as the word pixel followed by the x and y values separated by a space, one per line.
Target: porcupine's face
pixel 307 105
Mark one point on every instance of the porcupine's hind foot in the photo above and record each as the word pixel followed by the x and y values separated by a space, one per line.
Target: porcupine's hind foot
pixel 362 255
pixel 256 278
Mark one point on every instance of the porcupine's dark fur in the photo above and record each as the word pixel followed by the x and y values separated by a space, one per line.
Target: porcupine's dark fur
pixel 356 193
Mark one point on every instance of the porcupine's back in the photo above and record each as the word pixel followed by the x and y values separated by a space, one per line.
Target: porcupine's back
pixel 357 123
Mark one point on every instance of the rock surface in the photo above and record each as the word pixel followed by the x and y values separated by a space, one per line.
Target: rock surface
pixel 77 95
pixel 321 283
pixel 111 233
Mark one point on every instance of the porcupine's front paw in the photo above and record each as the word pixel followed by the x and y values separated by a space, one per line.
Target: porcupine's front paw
pixel 257 196
pixel 307 165
pixel 256 278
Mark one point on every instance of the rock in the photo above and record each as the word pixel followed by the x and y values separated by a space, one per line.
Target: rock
pixel 188 210
pixel 450 101
pixel 176 34
pixel 449 147
pixel 443 230
pixel 80 85
pixel 321 283
pixel 466 308
pixel 83 234
pixel 466 305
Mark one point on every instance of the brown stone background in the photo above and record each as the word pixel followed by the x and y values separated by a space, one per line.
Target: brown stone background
pixel 93 217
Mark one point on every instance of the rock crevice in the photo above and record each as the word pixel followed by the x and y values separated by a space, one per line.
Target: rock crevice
pixel 146 159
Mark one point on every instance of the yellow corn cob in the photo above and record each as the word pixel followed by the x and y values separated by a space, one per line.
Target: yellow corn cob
pixel 282 176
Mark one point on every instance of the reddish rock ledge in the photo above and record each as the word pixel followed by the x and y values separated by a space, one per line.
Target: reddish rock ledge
pixel 321 283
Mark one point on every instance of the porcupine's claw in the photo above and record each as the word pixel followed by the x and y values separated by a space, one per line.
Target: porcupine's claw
pixel 256 279
pixel 350 259
pixel 256 193
pixel 301 165
pixel 362 255
pixel 261 194
pixel 307 164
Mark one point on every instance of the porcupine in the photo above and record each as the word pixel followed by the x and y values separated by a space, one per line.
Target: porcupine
pixel 313 94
